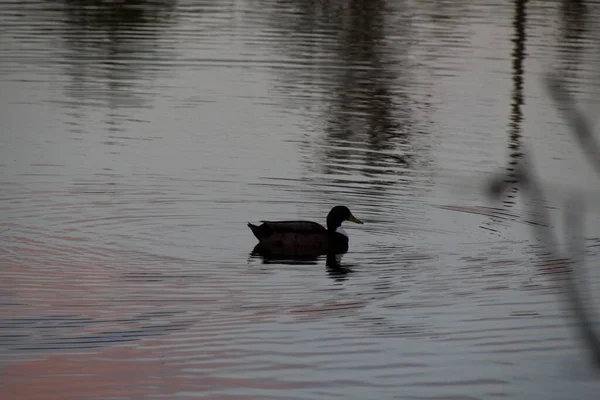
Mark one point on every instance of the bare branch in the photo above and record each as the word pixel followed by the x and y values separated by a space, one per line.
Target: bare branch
pixel 579 125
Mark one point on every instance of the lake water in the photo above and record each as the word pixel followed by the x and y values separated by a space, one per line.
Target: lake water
pixel 138 140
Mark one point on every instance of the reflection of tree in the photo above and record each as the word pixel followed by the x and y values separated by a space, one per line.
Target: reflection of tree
pixel 362 105
pixel 573 13
pixel 110 46
pixel 356 67
pixel 516 114
pixel 576 39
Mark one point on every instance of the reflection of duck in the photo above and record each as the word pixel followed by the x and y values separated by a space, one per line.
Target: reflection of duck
pixel 296 238
pixel 335 270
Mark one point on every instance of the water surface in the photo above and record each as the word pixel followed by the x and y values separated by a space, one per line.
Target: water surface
pixel 138 140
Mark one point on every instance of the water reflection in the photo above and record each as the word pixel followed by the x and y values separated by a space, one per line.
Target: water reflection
pixel 362 106
pixel 516 113
pixel 335 269
pixel 571 45
pixel 110 47
pixel 367 125
pixel 270 258
pixel 365 120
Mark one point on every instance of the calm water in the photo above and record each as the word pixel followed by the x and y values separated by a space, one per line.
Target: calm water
pixel 137 141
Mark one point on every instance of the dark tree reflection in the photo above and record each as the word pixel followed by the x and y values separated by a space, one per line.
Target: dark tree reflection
pixel 516 112
pixel 109 47
pixel 362 105
pixel 573 30
pixel 352 68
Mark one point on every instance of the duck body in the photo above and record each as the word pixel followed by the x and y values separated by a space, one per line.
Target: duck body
pixel 297 238
pixel 303 238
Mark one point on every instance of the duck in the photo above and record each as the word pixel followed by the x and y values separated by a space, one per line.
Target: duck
pixel 304 238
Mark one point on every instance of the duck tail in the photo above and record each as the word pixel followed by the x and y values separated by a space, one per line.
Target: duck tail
pixel 255 230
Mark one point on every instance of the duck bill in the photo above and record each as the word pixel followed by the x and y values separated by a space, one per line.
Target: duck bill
pixel 352 218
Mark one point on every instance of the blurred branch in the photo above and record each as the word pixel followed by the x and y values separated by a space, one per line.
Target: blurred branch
pixel 579 124
pixel 573 215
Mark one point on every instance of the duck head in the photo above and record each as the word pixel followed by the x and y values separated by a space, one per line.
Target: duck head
pixel 339 214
